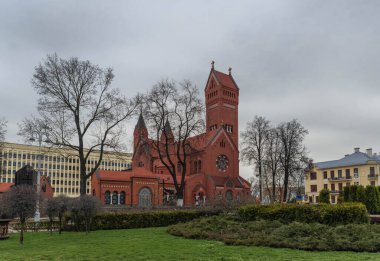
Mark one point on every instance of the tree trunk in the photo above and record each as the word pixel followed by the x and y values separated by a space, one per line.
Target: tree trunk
pixel 22 232
pixel 51 226
pixel 180 197
pixel 286 181
pixel 274 187
pixel 60 225
pixel 86 221
pixel 83 178
pixel 260 183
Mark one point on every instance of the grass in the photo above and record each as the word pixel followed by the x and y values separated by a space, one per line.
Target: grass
pixel 149 244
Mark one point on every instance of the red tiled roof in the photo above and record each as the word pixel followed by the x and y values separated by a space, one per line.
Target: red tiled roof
pixel 225 79
pixel 4 187
pixel 221 181
pixel 127 175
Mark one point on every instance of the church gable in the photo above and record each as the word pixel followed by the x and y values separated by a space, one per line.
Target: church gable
pixel 223 138
pixel 212 82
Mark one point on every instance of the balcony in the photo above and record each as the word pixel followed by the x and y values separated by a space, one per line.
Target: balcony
pixel 340 178
pixel 334 192
pixel 373 176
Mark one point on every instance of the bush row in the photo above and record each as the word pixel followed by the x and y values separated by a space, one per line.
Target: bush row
pixel 313 236
pixel 123 220
pixel 322 213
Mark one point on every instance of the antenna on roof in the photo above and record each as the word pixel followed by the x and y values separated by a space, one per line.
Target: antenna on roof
pixel 229 70
pixel 212 64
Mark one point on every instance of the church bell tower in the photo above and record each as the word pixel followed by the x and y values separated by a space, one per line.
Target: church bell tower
pixel 222 100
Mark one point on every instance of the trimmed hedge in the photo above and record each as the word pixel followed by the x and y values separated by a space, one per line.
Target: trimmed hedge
pixel 108 220
pixel 322 213
pixel 296 235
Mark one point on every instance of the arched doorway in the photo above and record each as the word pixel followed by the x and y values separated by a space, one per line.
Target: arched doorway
pixel 229 195
pixel 199 195
pixel 145 198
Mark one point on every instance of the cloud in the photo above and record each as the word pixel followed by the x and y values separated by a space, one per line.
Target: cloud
pixel 317 61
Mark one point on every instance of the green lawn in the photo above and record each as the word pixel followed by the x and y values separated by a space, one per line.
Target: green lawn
pixel 149 244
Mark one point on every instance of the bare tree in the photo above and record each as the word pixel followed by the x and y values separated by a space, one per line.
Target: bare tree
pixel 271 160
pixel 79 108
pixel 182 107
pixel 3 131
pixel 297 179
pixel 254 139
pixel 21 202
pixel 62 204
pixel 293 151
pixel 51 209
pixel 88 207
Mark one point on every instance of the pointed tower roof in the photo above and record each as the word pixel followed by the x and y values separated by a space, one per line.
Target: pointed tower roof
pixel 140 123
pixel 167 127
pixel 223 79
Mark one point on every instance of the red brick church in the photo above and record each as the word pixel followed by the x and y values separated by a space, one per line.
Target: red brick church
pixel 213 170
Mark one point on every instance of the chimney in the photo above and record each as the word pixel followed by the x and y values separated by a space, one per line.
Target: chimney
pixel 356 149
pixel 369 152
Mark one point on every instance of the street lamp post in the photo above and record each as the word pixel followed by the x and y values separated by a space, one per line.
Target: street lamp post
pixel 39 136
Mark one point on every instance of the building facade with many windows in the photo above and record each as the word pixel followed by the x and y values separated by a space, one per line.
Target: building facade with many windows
pixel 358 168
pixel 60 165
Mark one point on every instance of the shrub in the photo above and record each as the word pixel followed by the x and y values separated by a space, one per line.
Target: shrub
pixel 20 201
pixel 372 199
pixel 324 196
pixel 123 220
pixel 352 189
pixel 321 213
pixel 313 236
pixel 346 194
pixel 85 208
pixel 360 194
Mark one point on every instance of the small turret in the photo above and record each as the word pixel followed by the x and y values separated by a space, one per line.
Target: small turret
pixel 168 131
pixel 140 131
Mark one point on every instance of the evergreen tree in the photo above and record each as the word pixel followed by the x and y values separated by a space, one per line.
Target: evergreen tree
pixel 372 199
pixel 324 196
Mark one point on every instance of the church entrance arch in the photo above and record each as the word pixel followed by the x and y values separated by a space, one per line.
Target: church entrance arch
pixel 145 198
pixel 199 195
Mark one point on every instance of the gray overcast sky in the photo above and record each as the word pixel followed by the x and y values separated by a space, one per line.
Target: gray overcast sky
pixel 317 61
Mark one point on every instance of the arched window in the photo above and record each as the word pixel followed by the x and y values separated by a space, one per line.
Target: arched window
pixel 145 198
pixel 195 166
pixel 107 197
pixel 199 165
pixel 93 192
pixel 44 187
pixel 229 195
pixel 114 198
pixel 122 198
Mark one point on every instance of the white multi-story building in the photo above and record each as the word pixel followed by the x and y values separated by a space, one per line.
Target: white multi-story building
pixel 60 165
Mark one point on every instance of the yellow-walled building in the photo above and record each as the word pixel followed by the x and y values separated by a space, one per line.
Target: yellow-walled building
pixel 60 165
pixel 358 168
